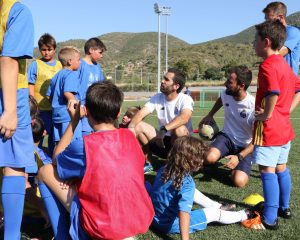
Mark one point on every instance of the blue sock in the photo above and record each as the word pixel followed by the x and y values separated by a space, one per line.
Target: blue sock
pixel 285 186
pixel 13 194
pixel 59 217
pixel 271 195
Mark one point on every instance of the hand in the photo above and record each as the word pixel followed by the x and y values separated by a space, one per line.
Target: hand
pixel 8 124
pixel 206 120
pixel 159 139
pixel 65 185
pixel 82 111
pixel 233 161
pixel 260 114
pixel 74 110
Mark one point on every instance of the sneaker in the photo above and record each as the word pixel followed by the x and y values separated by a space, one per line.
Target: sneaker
pixel 286 213
pixel 273 226
pixel 253 221
pixel 227 207
pixel 259 207
pixel 148 168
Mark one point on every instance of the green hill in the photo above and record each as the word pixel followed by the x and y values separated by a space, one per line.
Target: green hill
pixel 137 52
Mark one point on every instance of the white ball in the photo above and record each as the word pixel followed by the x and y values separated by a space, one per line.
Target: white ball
pixel 208 131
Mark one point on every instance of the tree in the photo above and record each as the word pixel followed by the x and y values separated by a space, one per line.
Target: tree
pixel 213 73
pixel 184 66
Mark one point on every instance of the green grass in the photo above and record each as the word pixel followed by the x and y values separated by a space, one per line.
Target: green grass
pixel 215 183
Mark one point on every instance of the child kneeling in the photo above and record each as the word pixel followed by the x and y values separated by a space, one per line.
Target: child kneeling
pixel 108 200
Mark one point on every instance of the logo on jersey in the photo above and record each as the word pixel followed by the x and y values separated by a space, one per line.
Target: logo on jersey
pixel 243 113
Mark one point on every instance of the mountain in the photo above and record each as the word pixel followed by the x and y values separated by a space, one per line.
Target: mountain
pixel 247 36
pixel 137 52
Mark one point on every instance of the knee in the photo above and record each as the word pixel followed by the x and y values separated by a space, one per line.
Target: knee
pixel 181 131
pixel 239 181
pixel 211 158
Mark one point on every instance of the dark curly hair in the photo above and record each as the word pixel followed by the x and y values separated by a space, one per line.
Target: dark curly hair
pixel 185 157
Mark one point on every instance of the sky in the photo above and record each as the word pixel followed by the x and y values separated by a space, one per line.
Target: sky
pixel 193 21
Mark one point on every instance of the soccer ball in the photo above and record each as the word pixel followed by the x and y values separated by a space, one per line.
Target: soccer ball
pixel 208 131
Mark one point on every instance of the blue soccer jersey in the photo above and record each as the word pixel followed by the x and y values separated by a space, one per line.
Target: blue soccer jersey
pixel 64 81
pixel 293 44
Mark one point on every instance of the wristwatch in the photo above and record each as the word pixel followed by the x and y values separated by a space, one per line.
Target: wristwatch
pixel 163 128
pixel 240 157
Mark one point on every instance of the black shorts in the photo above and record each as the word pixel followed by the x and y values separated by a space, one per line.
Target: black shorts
pixel 161 152
pixel 224 144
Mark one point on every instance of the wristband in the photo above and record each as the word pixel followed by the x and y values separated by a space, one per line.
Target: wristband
pixel 163 128
pixel 240 157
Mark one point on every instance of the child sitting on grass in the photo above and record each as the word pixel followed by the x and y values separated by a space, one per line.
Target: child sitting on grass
pixel 173 193
pixel 131 111
pixel 109 200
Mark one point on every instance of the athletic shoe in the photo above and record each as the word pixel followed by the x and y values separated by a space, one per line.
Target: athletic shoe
pixel 286 213
pixel 227 206
pixel 259 207
pixel 148 168
pixel 273 226
pixel 253 221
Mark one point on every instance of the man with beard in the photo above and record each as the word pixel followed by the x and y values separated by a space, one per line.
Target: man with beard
pixel 174 110
pixel 234 141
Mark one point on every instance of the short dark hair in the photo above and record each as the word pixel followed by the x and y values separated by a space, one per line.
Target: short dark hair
pixel 94 43
pixel 277 8
pixel 274 30
pixel 103 101
pixel 48 40
pixel 33 107
pixel 38 129
pixel 243 73
pixel 179 78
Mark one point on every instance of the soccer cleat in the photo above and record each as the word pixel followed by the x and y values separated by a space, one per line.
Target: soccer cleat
pixel 259 207
pixel 227 207
pixel 273 226
pixel 286 213
pixel 148 168
pixel 253 221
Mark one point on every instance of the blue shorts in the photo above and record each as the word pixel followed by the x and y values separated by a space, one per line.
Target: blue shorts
pixel 17 152
pixel 76 231
pixel 198 222
pixel 224 144
pixel 271 156
pixel 60 128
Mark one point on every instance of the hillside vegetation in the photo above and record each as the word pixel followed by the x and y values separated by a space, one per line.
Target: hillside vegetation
pixel 131 53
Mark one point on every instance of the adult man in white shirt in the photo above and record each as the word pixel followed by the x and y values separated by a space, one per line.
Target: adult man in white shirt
pixel 174 110
pixel 234 141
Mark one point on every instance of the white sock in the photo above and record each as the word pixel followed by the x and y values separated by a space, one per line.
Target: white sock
pixel 205 202
pixel 225 217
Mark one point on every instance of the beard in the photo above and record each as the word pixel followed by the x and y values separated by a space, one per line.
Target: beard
pixel 233 93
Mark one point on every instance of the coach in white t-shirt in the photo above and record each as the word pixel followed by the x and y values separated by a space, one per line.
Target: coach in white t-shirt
pixel 174 110
pixel 234 141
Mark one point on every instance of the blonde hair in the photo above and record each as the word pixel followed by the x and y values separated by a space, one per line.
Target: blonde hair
pixel 67 53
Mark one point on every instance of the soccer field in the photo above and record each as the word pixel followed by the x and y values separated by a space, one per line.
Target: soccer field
pixel 215 183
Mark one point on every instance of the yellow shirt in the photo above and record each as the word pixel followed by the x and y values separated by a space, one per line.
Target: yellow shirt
pixel 44 75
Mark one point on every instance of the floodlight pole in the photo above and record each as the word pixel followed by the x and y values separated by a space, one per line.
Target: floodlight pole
pixel 161 11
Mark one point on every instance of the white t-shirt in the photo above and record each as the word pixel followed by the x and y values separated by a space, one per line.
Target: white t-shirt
pixel 168 110
pixel 238 118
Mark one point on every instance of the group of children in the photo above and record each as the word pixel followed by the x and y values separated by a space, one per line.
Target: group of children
pixel 93 187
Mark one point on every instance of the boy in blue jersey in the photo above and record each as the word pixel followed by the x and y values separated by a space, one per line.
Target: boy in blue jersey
pixel 291 48
pixel 16 144
pixel 64 87
pixel 40 73
pixel 90 72
pixel 96 172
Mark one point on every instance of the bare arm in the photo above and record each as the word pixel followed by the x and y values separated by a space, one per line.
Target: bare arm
pixel 141 114
pixel 9 69
pixel 74 112
pixel 283 51
pixel 184 223
pixel 270 102
pixel 295 101
pixel 218 104
pixel 31 89
pixel 69 96
pixel 180 120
